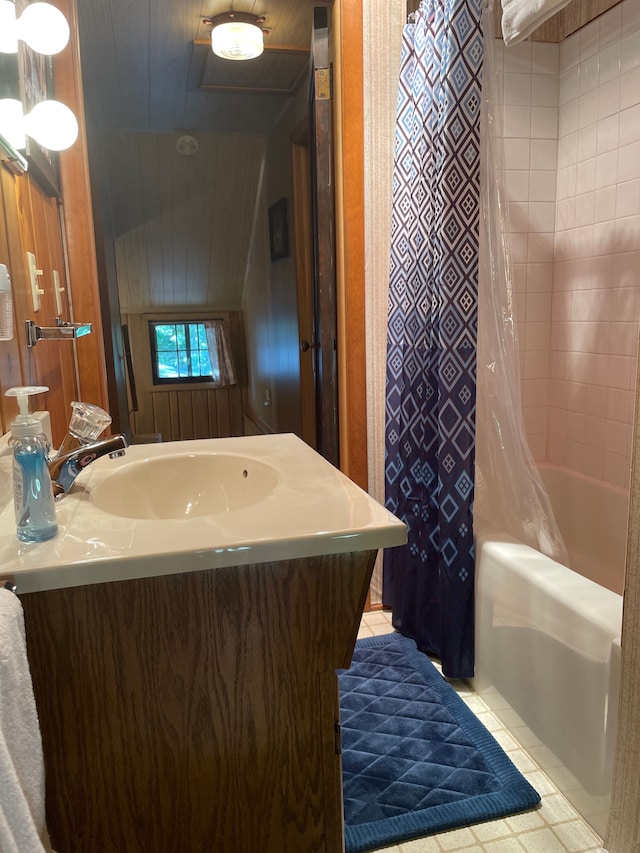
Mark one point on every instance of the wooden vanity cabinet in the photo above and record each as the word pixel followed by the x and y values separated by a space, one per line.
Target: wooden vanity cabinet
pixel 197 712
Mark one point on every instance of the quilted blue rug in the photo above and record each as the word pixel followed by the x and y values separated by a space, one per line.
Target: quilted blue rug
pixel 415 759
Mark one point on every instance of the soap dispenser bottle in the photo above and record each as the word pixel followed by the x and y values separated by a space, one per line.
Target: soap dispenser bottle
pixel 32 492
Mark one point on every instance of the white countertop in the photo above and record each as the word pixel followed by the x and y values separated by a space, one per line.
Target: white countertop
pixel 313 510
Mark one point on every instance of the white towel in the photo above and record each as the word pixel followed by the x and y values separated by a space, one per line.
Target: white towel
pixel 521 17
pixel 22 816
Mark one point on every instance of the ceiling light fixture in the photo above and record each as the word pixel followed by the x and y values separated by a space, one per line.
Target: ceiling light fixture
pixel 236 35
pixel 51 123
pixel 42 26
pixel 46 31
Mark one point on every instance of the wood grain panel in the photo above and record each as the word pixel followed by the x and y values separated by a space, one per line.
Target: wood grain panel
pixel 61 377
pixel 350 245
pixel 236 411
pixel 96 18
pixel 78 223
pixel 196 712
pixel 190 412
pixel 334 801
pixel 10 363
pixel 328 352
pixel 224 415
pixel 153 69
pixel 31 225
pixel 162 415
pixel 580 12
pixel 303 242
pixel 200 414
pixel 185 410
pixel 184 225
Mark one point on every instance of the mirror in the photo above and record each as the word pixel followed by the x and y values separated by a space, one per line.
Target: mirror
pixel 13 158
pixel 187 154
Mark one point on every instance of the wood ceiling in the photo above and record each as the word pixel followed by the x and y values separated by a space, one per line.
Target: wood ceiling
pixel 148 68
pixel 147 65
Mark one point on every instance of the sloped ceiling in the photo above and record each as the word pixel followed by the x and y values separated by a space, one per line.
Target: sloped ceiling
pixel 190 247
pixel 148 70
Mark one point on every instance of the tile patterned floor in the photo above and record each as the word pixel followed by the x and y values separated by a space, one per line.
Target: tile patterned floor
pixel 554 827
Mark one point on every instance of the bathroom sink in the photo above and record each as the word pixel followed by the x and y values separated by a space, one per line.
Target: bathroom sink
pixel 185 486
pixel 187 506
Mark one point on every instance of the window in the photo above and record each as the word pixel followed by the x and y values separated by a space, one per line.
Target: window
pixel 180 353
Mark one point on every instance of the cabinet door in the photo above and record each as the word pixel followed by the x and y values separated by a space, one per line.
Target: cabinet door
pixel 332 753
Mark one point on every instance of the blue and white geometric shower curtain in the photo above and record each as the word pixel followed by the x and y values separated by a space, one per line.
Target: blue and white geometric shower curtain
pixel 432 331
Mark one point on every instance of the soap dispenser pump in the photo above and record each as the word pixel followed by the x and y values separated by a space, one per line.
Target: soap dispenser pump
pixel 32 492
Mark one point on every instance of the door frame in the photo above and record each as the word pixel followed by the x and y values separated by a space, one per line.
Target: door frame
pixel 350 259
pixel 300 160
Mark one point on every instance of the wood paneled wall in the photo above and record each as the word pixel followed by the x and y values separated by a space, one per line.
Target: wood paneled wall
pixel 30 223
pixel 11 357
pixel 195 412
pixel 183 225
pixel 78 221
pixel 350 260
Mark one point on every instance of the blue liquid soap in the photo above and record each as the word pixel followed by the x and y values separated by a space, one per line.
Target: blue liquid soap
pixel 33 496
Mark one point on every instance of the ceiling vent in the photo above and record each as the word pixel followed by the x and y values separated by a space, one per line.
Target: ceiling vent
pixel 187 145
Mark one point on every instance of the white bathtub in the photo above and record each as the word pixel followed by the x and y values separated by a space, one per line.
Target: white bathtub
pixel 548 639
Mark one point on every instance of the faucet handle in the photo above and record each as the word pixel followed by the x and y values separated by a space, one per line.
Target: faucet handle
pixel 65 469
pixel 87 423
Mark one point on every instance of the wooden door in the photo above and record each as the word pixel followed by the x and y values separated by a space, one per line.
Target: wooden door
pixel 323 219
pixel 301 163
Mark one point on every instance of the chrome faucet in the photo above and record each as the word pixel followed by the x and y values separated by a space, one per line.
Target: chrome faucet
pixel 64 469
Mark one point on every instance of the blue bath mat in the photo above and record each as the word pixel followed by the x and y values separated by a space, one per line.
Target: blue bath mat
pixel 415 759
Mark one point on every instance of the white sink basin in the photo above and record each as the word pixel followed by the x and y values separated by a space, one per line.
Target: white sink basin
pixel 172 507
pixel 185 486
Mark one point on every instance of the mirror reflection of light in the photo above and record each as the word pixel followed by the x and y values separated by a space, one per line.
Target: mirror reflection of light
pixel 45 29
pixel 52 124
pixel 237 40
pixel 42 26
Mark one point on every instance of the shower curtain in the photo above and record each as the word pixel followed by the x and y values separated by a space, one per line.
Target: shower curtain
pixel 432 331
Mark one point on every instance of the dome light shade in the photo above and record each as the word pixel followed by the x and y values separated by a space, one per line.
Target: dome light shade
pixel 237 35
pixel 52 124
pixel 44 28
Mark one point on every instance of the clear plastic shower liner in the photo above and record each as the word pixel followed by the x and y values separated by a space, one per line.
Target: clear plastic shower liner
pixel 510 496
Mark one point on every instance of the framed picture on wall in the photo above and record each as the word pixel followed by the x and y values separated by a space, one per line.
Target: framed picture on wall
pixel 278 230
pixel 36 84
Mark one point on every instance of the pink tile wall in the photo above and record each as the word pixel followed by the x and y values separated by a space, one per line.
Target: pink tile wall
pixel 529 79
pixel 596 282
pixel 571 129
